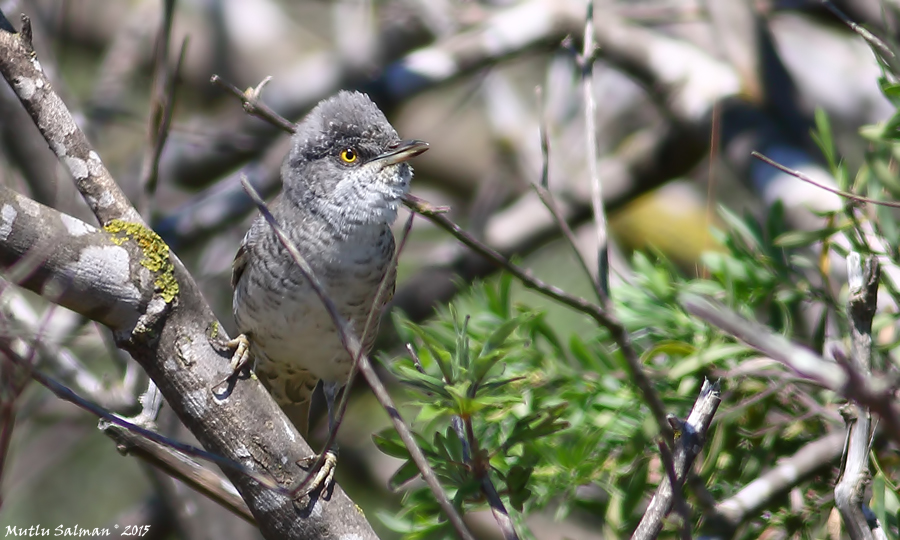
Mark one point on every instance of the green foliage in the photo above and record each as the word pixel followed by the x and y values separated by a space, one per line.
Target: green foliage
pixel 552 420
pixel 547 414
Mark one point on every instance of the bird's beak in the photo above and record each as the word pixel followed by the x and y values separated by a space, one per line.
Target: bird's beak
pixel 404 151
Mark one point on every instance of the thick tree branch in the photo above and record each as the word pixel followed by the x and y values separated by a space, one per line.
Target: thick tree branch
pixel 126 278
pixel 22 70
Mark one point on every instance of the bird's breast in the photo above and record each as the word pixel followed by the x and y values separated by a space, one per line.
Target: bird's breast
pixel 288 322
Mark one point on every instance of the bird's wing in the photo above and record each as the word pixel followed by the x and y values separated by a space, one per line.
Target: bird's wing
pixel 241 259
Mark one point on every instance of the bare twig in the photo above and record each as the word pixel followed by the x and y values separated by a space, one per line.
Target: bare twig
pixel 543 191
pixel 692 436
pixel 590 136
pixel 600 315
pixel 150 446
pixel 179 466
pixel 162 104
pixel 480 464
pixel 67 394
pixel 345 399
pixel 746 504
pixel 13 380
pixel 253 105
pixel 870 38
pixel 807 179
pixel 354 348
pixel 843 378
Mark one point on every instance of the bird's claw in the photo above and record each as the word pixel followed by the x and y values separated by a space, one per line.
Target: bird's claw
pixel 241 356
pixel 239 359
pixel 324 477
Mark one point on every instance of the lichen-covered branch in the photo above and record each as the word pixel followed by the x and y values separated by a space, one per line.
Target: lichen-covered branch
pixel 126 278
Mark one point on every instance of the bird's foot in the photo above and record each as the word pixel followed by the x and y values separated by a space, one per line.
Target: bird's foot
pixel 241 347
pixel 239 358
pixel 324 476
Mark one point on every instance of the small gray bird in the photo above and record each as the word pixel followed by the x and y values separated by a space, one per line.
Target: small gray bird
pixel 343 180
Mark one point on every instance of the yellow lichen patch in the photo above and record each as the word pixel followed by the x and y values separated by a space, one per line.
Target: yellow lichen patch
pixel 214 331
pixel 155 252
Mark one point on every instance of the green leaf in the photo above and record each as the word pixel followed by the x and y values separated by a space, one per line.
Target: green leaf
pixel 795 239
pixel 517 484
pixel 394 523
pixel 494 385
pixel 823 137
pixel 691 364
pixel 669 348
pixel 580 352
pixel 635 489
pixel 499 336
pixel 389 443
pixel 436 351
pixel 461 353
pixel 449 445
pixel 750 237
pixel 404 474
pixel 890 89
pixel 422 381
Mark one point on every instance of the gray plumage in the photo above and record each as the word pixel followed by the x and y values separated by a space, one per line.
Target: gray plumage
pixel 343 181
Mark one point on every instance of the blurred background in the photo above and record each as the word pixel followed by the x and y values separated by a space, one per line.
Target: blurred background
pixel 684 90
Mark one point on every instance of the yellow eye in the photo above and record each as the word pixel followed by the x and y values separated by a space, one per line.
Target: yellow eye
pixel 348 155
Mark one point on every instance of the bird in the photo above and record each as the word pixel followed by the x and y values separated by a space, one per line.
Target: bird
pixel 342 184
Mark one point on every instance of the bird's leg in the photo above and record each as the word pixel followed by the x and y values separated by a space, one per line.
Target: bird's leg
pixel 325 475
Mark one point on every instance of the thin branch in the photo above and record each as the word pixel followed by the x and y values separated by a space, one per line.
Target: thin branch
pixel 498 510
pixel 161 110
pixel 870 38
pixel 14 382
pixel 601 316
pixel 692 437
pixel 590 139
pixel 747 503
pixel 176 465
pixel 807 179
pixel 67 394
pixel 21 319
pixel 345 398
pixel 843 377
pixel 543 191
pixel 353 346
pixel 253 105
pixel 156 449
pixel 849 492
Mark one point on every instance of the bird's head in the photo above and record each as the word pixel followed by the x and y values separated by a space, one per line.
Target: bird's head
pixel 346 158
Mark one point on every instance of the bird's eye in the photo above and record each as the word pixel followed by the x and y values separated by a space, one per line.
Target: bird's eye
pixel 349 155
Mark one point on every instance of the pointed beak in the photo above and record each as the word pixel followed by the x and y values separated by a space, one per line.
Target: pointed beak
pixel 403 151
